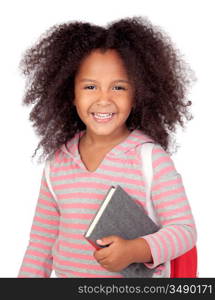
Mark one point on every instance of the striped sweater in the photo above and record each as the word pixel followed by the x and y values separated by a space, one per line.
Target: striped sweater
pixel 56 237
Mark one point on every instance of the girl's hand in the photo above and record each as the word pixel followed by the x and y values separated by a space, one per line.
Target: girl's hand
pixel 117 256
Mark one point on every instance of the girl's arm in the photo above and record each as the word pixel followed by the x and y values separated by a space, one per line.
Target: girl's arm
pixel 37 261
pixel 178 232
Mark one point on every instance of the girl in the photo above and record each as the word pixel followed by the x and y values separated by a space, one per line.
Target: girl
pixel 99 94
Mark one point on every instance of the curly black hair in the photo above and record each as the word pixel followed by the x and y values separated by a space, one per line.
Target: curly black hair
pixel 157 70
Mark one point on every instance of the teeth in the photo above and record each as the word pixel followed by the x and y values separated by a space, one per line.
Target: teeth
pixel 103 115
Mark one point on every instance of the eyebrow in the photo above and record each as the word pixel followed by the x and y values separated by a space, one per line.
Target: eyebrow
pixel 118 80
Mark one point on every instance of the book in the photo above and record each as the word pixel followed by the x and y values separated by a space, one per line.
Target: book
pixel 119 214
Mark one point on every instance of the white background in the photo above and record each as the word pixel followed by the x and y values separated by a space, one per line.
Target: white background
pixel 190 24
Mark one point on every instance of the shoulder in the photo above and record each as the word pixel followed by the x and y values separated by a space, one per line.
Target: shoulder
pixel 163 164
pixel 56 160
pixel 66 151
pixel 158 152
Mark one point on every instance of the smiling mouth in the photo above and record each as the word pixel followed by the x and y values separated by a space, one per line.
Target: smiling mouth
pixel 105 117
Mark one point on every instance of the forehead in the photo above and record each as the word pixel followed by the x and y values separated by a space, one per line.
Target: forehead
pixel 103 63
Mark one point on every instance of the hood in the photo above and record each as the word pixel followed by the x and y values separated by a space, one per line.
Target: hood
pixel 135 138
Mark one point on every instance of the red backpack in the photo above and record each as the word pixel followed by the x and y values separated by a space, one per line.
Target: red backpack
pixel 184 266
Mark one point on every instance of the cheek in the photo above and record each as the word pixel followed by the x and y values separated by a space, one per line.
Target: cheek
pixel 127 105
pixel 80 100
pixel 82 107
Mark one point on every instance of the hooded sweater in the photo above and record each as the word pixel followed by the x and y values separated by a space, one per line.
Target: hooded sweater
pixel 57 233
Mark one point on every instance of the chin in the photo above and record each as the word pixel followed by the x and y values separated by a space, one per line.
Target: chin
pixel 102 131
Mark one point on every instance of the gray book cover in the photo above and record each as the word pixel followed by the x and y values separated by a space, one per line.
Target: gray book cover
pixel 126 218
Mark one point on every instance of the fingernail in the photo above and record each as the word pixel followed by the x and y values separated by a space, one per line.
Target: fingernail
pixel 99 242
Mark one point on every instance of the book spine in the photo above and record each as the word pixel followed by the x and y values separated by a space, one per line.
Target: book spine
pixel 93 244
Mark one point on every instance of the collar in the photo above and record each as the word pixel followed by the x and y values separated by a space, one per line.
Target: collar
pixel 135 138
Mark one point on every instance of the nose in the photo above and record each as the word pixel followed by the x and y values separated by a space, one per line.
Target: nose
pixel 104 98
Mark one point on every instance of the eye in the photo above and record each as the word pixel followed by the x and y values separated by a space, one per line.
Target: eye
pixel 119 87
pixel 89 87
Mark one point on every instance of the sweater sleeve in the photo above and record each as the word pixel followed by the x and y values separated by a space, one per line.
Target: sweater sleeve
pixel 37 261
pixel 177 234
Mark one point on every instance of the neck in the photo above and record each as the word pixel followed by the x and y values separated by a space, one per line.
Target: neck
pixel 92 139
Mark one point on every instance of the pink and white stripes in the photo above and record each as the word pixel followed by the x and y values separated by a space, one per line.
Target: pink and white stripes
pixel 56 238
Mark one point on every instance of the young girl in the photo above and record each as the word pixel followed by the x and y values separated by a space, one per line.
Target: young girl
pixel 99 94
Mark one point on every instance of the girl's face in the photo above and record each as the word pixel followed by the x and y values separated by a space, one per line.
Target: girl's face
pixel 103 93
